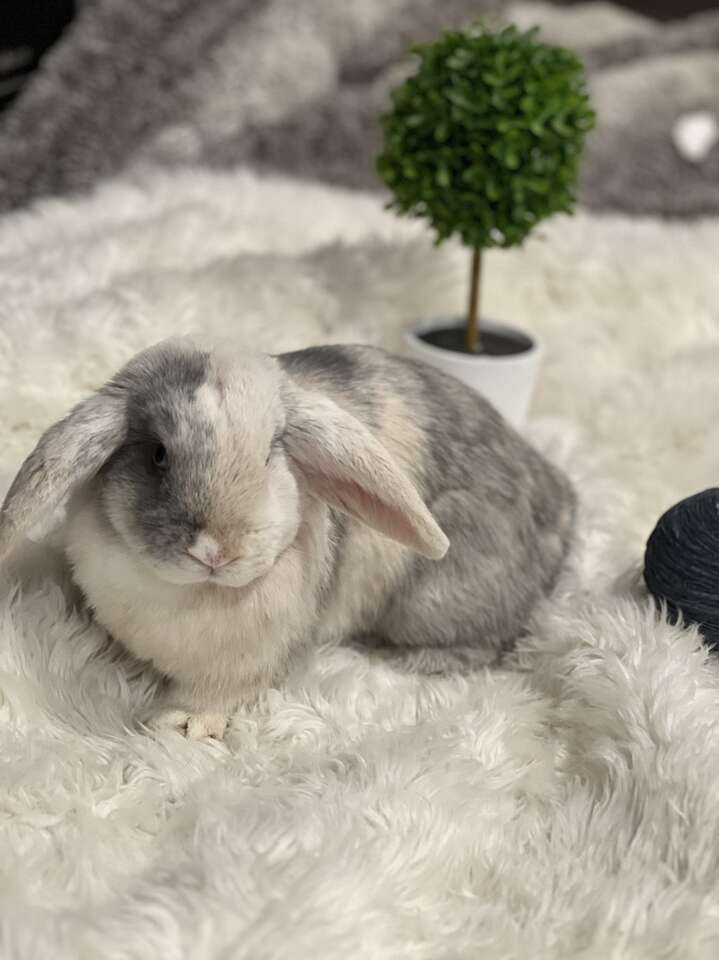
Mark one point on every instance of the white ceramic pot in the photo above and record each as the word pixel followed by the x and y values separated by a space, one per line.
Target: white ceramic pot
pixel 506 381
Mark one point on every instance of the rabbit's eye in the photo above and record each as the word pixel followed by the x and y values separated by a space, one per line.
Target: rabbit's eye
pixel 160 459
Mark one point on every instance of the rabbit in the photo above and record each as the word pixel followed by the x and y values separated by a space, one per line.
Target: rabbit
pixel 225 509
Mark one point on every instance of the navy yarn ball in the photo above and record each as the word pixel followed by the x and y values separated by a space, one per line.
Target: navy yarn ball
pixel 681 563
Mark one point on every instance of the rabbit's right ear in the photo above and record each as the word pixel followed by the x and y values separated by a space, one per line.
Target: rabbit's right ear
pixel 67 455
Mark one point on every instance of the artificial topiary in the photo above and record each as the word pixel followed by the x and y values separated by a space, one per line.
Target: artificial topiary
pixel 484 140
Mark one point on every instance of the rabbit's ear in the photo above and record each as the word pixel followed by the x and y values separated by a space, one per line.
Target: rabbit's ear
pixel 67 455
pixel 348 468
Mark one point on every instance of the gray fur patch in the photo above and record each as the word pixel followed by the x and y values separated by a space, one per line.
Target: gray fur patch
pixel 335 364
pixel 342 372
pixel 167 508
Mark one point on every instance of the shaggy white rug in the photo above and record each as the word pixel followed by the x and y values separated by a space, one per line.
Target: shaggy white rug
pixel 567 806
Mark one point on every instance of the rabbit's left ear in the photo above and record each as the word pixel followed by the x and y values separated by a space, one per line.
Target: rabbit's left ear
pixel 67 455
pixel 348 468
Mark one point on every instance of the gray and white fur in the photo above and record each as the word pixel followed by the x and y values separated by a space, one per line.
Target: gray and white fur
pixel 226 509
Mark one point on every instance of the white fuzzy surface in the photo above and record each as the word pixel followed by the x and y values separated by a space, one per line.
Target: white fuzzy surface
pixel 565 808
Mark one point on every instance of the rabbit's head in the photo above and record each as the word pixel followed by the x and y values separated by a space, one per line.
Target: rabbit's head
pixel 201 461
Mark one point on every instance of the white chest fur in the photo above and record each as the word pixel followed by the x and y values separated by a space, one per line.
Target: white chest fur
pixel 230 639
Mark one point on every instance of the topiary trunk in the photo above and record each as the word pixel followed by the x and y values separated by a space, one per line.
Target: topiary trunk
pixel 471 339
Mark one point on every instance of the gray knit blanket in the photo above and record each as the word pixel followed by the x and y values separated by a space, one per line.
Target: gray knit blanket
pixel 296 86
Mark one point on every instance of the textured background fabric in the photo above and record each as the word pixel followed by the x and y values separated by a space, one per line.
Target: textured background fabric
pixel 564 806
pixel 561 807
pixel 296 86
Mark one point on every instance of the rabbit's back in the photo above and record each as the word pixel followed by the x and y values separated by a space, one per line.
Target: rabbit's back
pixel 507 511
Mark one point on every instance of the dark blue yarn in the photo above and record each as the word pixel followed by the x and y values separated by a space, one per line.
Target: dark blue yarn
pixel 681 563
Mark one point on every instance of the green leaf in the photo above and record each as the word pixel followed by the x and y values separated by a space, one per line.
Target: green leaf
pixel 538 185
pixel 561 126
pixel 492 79
pixel 463 101
pixel 459 60
pixel 492 189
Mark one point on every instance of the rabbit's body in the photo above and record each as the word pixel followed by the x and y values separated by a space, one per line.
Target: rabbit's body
pixel 225 511
pixel 507 512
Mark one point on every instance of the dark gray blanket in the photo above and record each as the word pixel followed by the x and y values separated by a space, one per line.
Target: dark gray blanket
pixel 296 85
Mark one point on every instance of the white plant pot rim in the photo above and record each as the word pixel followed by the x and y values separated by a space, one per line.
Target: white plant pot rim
pixel 532 351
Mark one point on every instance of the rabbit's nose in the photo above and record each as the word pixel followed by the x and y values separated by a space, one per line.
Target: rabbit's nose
pixel 208 551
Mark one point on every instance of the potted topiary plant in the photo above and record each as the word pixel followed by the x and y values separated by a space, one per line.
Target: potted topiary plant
pixel 484 141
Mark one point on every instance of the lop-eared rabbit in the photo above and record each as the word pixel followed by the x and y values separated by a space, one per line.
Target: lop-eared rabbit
pixel 225 510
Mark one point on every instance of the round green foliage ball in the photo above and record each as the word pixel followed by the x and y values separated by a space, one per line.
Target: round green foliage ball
pixel 485 139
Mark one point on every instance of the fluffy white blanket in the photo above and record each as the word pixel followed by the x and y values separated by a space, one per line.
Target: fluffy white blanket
pixel 563 807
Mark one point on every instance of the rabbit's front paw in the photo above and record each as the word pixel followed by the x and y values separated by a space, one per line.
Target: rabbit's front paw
pixel 195 725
